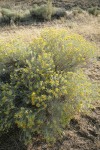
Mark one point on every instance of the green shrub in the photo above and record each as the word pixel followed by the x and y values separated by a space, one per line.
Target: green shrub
pixel 43 11
pixel 41 88
pixel 7 14
pixel 22 16
pixel 94 11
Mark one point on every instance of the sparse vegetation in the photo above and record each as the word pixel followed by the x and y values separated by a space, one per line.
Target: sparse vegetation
pixel 44 12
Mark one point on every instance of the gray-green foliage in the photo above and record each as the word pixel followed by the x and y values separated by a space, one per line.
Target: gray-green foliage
pixel 43 11
pixel 8 15
pixel 94 11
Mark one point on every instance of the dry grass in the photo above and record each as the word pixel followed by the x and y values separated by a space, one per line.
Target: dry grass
pixel 27 33
pixel 84 24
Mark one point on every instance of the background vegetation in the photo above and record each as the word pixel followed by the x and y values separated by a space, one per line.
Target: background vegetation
pixel 40 12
